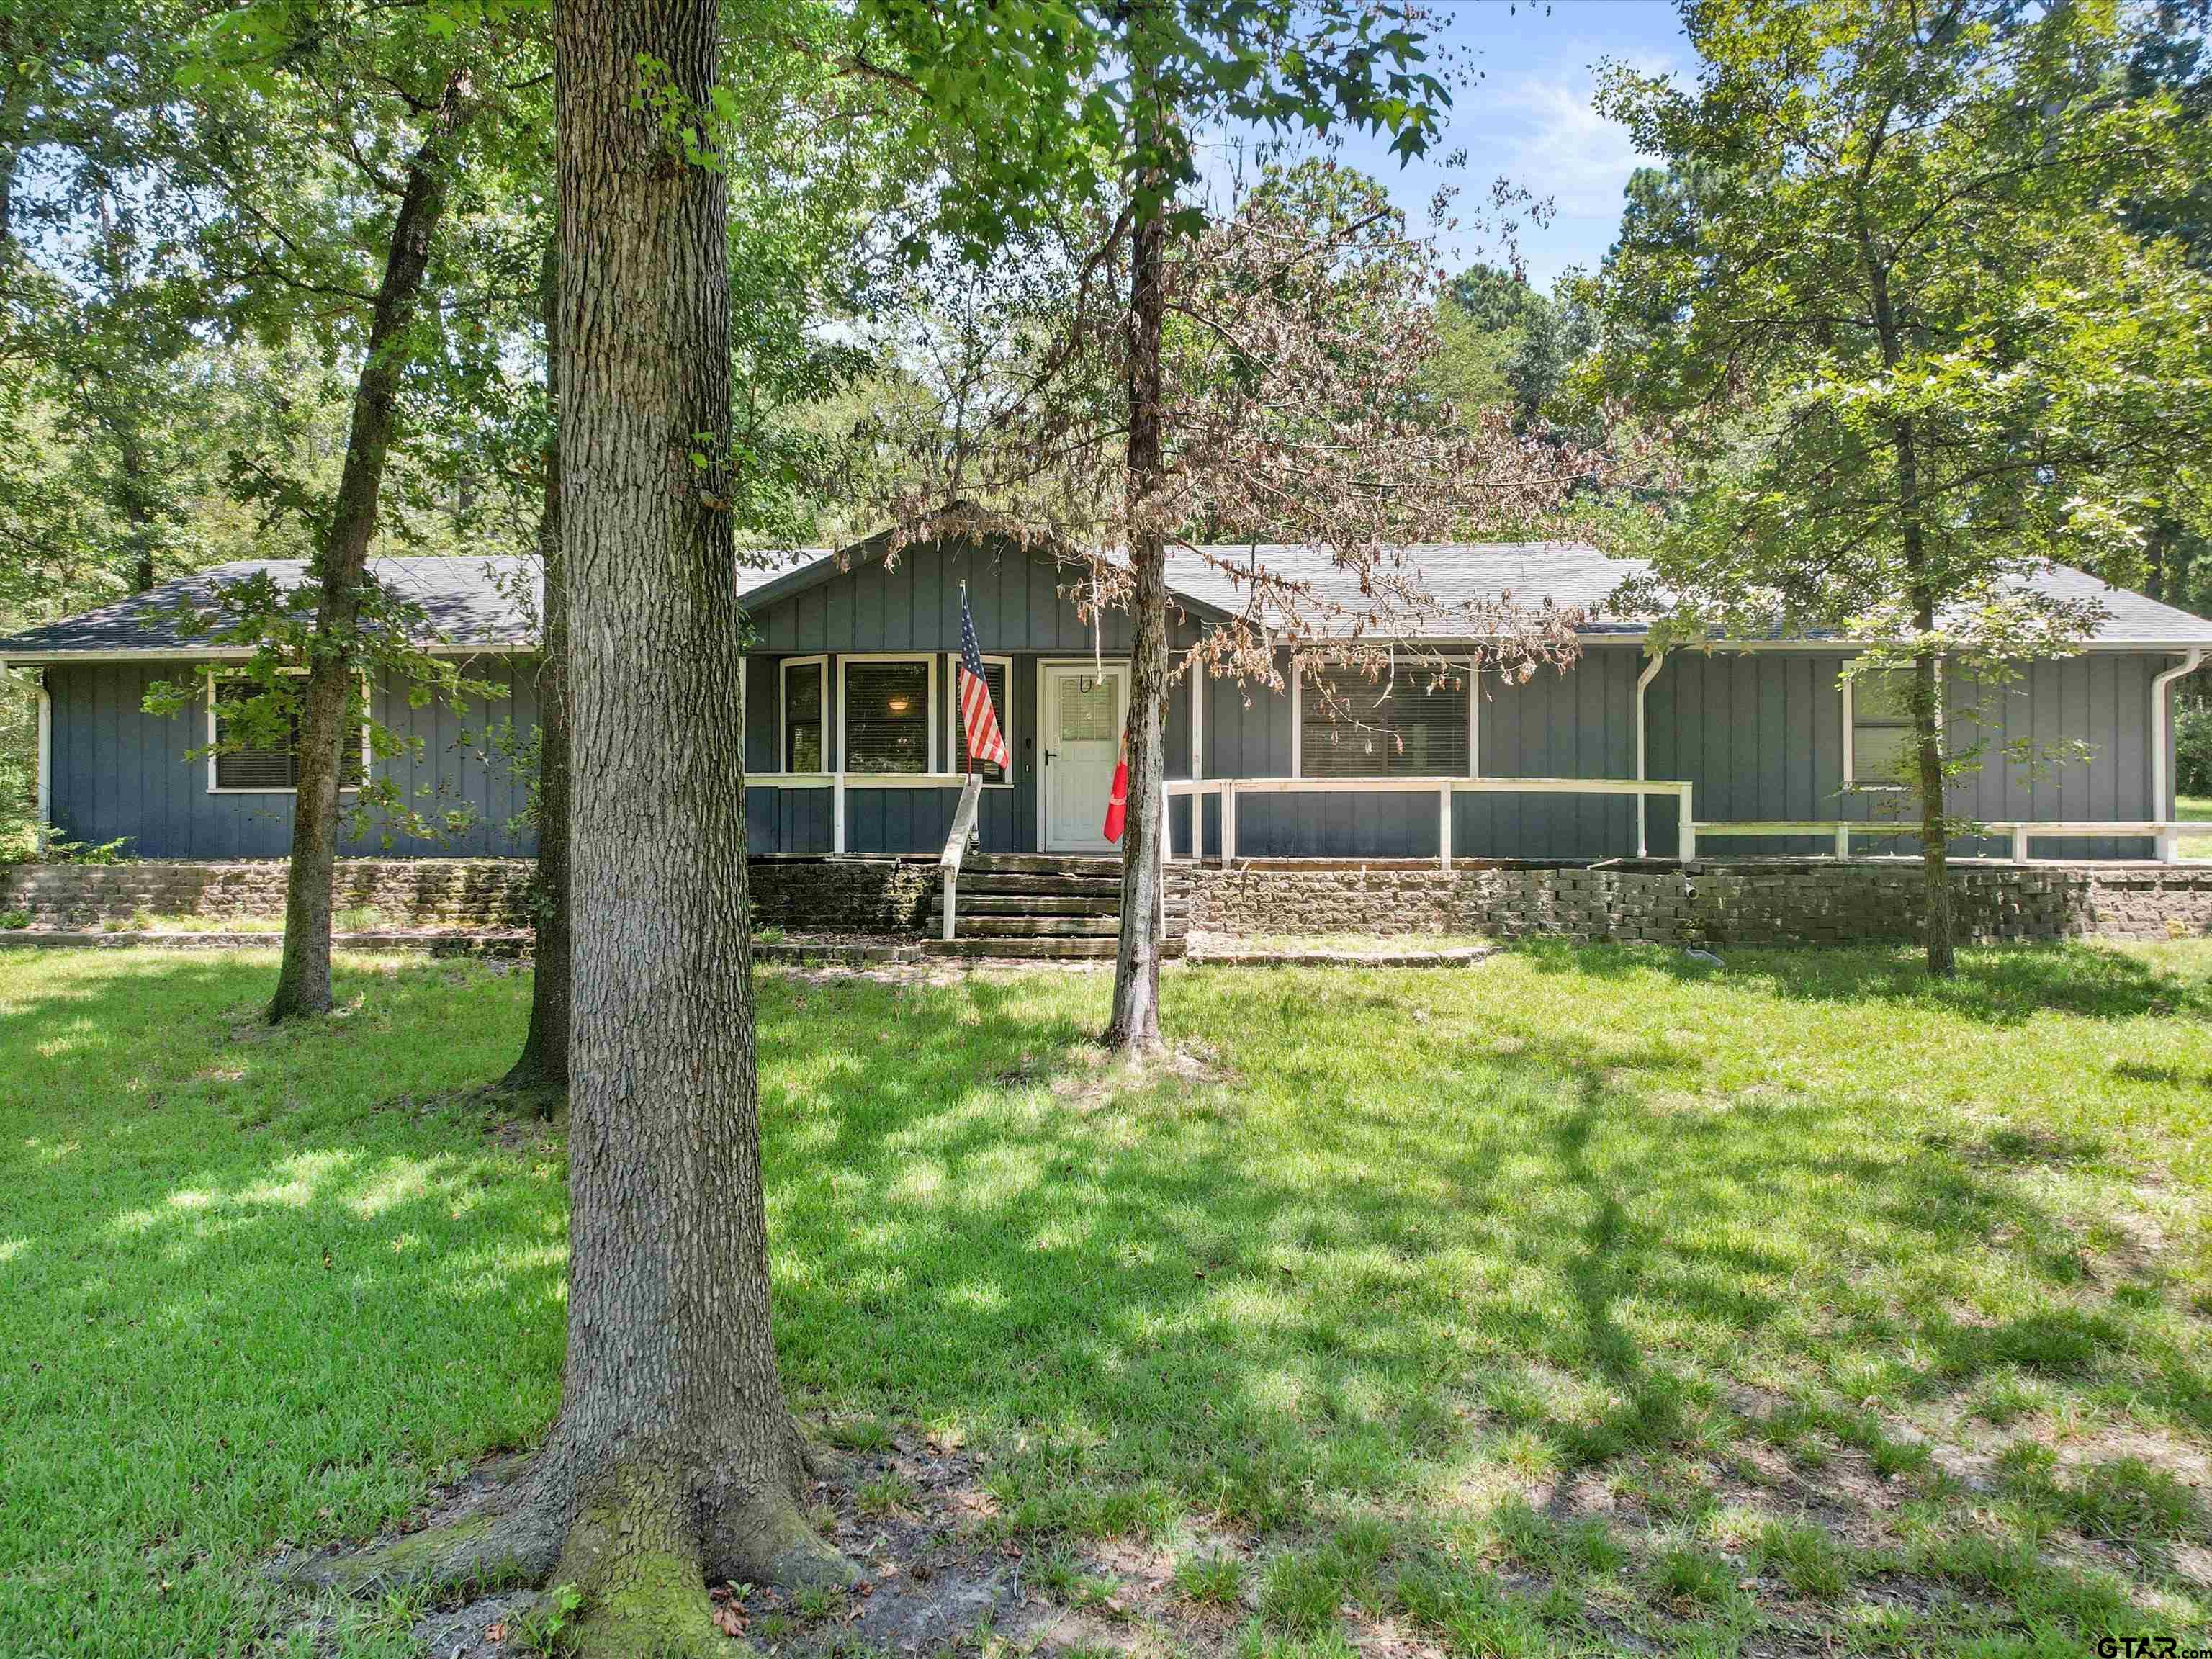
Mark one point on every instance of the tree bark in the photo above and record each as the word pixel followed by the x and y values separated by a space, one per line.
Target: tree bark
pixel 1921 584
pixel 1135 1026
pixel 675 1454
pixel 303 981
pixel 543 1064
pixel 675 1460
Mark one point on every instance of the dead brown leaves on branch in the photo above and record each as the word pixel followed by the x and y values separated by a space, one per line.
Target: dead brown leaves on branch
pixel 1300 410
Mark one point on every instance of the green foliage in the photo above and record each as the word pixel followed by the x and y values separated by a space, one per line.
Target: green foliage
pixel 1903 339
pixel 2192 748
pixel 1506 345
pixel 548 1628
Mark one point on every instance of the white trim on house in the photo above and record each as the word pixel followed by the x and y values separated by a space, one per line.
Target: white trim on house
pixel 1097 665
pixel 820 661
pixel 1643 684
pixel 1849 683
pixel 367 758
pixel 1005 715
pixel 1197 678
pixel 926 658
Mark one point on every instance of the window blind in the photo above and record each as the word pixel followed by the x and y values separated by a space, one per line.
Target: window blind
pixel 887 717
pixel 1400 725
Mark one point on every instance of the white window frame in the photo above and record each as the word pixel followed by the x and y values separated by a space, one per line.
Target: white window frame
pixel 1005 716
pixel 1472 667
pixel 820 663
pixel 367 758
pixel 930 703
pixel 1850 684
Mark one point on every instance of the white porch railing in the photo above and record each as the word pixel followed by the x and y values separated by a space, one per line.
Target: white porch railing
pixel 837 783
pixel 2166 832
pixel 2021 832
pixel 956 841
pixel 1228 790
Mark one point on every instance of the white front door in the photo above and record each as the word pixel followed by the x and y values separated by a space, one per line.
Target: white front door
pixel 1081 722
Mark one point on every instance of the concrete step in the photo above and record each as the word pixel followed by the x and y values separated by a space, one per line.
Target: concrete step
pixel 1051 926
pixel 1048 864
pixel 991 881
pixel 966 903
pixel 1046 948
pixel 1045 926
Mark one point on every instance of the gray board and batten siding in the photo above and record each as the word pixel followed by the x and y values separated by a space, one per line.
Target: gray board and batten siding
pixel 1758 732
pixel 119 772
pixel 1024 609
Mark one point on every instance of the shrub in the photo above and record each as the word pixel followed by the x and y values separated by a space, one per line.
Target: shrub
pixel 2192 748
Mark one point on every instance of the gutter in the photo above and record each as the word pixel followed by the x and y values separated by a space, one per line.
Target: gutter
pixel 1643 683
pixel 2169 849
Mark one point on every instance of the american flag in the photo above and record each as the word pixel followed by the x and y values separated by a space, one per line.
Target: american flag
pixel 977 718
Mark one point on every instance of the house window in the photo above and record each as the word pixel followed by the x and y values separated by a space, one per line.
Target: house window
pixel 1881 728
pixel 1405 723
pixel 995 677
pixel 803 705
pixel 889 724
pixel 265 768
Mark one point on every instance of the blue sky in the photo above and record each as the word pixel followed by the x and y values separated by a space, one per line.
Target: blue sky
pixel 1529 119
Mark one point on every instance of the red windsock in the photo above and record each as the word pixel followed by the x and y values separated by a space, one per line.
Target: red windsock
pixel 1117 802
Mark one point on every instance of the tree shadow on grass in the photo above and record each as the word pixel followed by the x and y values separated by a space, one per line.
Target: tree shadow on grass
pixel 1325 1283
pixel 1996 985
pixel 1335 1281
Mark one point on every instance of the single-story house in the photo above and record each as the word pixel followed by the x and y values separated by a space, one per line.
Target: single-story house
pixel 853 742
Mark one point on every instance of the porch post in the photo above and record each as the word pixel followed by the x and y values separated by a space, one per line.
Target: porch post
pixel 1643 684
pixel 1688 848
pixel 1843 840
pixel 837 805
pixel 1228 823
pixel 1444 825
pixel 2019 844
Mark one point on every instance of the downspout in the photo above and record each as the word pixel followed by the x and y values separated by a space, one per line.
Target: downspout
pixel 1643 684
pixel 43 828
pixel 2169 847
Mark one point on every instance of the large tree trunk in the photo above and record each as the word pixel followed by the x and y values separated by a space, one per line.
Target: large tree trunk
pixel 1922 585
pixel 675 1460
pixel 679 1458
pixel 543 1065
pixel 1927 722
pixel 326 718
pixel 1135 1027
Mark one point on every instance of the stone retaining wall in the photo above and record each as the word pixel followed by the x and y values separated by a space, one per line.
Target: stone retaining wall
pixel 842 895
pixel 855 895
pixel 1752 902
pixel 1748 903
pixel 403 892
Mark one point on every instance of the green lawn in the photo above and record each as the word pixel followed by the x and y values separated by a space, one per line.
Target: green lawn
pixel 2197 810
pixel 1571 1302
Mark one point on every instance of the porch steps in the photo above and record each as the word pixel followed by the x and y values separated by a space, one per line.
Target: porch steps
pixel 1025 904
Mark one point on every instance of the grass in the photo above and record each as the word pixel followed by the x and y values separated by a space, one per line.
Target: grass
pixel 2197 810
pixel 1614 1301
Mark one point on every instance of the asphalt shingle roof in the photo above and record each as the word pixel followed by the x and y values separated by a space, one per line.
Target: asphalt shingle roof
pixel 475 603
pixel 478 603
